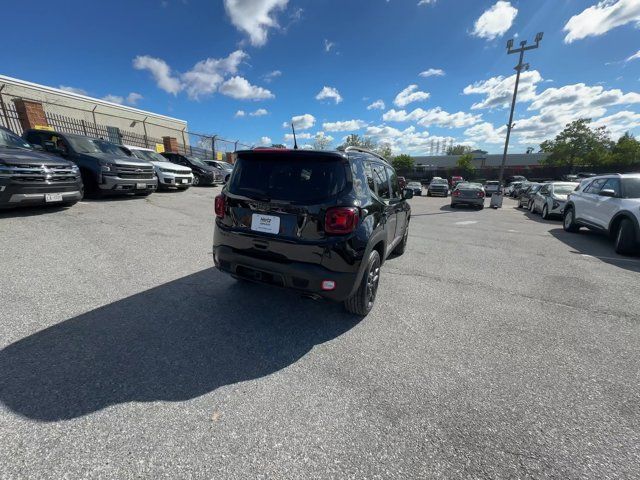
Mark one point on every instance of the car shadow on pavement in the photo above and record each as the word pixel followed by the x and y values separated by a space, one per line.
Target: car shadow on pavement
pixel 173 342
pixel 596 245
pixel 31 211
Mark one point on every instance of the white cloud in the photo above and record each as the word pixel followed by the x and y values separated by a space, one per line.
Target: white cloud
pixel 78 91
pixel 425 2
pixel 265 141
pixel 409 95
pixel 113 99
pixel 435 116
pixel 498 90
pixel 288 137
pixel 324 135
pixel 619 123
pixel 441 118
pixel 377 105
pixel 133 98
pixel 206 76
pixel 160 71
pixel 240 114
pixel 432 72
pixel 254 17
pixel 602 17
pixel 635 56
pixel 240 89
pixel 330 93
pixel 344 126
pixel 271 76
pixel 495 21
pixel 261 112
pixel 581 97
pixel 485 133
pixel 328 45
pixel 301 122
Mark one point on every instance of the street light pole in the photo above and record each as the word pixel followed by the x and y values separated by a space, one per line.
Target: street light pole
pixel 519 68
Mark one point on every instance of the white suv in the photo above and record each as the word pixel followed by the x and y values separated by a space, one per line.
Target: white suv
pixel 610 204
pixel 169 174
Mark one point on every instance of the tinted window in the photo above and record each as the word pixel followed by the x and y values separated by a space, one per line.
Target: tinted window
pixel 612 184
pixel 393 180
pixel 381 182
pixel 9 140
pixel 289 178
pixel 631 187
pixel 360 180
pixel 596 186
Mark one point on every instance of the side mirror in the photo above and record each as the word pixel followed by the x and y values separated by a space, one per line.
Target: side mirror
pixel 407 194
pixel 607 193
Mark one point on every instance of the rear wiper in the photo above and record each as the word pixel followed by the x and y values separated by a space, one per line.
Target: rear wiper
pixel 264 196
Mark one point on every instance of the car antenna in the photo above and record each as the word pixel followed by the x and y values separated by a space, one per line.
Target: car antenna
pixel 295 140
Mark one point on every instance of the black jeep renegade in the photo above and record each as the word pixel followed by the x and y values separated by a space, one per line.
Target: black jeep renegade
pixel 321 223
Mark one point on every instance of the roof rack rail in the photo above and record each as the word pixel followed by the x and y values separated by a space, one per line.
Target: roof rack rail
pixel 364 150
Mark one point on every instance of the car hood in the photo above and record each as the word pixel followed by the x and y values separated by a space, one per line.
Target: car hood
pixel 118 159
pixel 14 156
pixel 172 166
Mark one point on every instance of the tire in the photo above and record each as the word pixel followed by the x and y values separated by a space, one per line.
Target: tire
pixel 91 189
pixel 545 212
pixel 569 221
pixel 428 193
pixel 196 180
pixel 453 205
pixel 361 302
pixel 625 238
pixel 480 207
pixel 532 207
pixel 402 246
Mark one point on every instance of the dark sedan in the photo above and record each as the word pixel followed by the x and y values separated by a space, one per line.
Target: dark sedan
pixel 471 194
pixel 416 187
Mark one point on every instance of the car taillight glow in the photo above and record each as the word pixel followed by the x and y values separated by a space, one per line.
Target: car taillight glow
pixel 341 220
pixel 456 193
pixel 328 285
pixel 480 194
pixel 220 206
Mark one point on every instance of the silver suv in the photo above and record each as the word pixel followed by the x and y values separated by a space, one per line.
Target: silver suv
pixel 609 204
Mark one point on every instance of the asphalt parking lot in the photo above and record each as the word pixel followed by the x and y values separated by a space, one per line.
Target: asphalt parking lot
pixel 500 347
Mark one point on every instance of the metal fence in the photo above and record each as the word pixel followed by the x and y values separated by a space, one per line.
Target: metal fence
pixel 189 143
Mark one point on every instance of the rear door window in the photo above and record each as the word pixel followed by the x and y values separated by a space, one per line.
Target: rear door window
pixel 381 182
pixel 393 180
pixel 291 178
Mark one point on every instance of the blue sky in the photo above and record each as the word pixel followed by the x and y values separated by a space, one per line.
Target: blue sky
pixel 207 61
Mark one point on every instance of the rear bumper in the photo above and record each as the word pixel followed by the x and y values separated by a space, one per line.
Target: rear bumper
pixel 13 194
pixel 442 193
pixel 467 201
pixel 305 278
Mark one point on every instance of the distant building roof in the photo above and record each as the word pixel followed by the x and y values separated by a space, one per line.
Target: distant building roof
pixel 482 159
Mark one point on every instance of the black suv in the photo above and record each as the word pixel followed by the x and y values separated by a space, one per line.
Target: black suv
pixel 105 167
pixel 321 223
pixel 29 177
pixel 203 174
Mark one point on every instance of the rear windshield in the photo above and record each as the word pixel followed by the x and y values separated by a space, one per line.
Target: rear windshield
pixel 292 179
pixel 631 187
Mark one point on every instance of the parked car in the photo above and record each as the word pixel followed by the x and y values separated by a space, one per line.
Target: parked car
pixel 608 204
pixel 203 174
pixel 491 187
pixel 438 186
pixel 516 178
pixel 551 198
pixel 322 223
pixel 416 187
pixel 170 175
pixel 31 177
pixel 402 182
pixel 456 179
pixel 585 174
pixel 517 191
pixel 466 193
pixel 525 197
pixel 224 168
pixel 105 168
pixel 511 189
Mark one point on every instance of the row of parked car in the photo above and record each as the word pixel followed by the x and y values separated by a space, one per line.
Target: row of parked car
pixel 609 204
pixel 49 167
pixel 440 187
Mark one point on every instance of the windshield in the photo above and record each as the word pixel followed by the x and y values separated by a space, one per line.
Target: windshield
pixel 9 140
pixel 83 144
pixel 564 189
pixel 292 179
pixel 111 148
pixel 149 156
pixel 631 187
pixel 439 181
pixel 197 161
pixel 414 185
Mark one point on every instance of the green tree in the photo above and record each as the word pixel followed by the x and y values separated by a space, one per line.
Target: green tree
pixel 384 150
pixel 458 150
pixel 626 151
pixel 355 140
pixel 321 142
pixel 465 163
pixel 578 144
pixel 402 162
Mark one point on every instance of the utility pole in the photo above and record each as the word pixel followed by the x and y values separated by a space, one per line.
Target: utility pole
pixel 519 68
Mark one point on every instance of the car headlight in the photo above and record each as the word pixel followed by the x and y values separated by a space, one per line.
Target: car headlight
pixel 165 170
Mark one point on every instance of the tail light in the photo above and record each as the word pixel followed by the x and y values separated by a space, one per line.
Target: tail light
pixel 456 193
pixel 341 220
pixel 480 194
pixel 220 206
